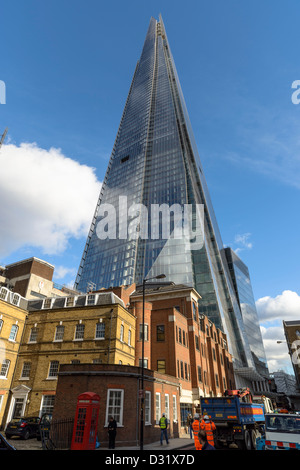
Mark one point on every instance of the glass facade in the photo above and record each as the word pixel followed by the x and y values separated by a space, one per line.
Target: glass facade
pixel 243 289
pixel 155 162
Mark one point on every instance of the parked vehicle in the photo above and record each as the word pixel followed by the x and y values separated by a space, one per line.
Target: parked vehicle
pixel 44 426
pixel 4 445
pixel 237 419
pixel 282 432
pixel 23 427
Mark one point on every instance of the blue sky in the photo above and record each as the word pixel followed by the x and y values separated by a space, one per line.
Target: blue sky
pixel 67 66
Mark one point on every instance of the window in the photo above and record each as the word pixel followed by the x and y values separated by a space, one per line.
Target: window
pixel 3 293
pixel 122 333
pixel 175 417
pixel 91 299
pixel 179 335
pixel 13 333
pixel 186 371
pixel 217 380
pixel 147 407
pixel 4 368
pixel 26 370
pixel 181 370
pixel 145 363
pixel 79 332
pixel 167 406
pixel 114 406
pixel 53 369
pixel 199 374
pixel 70 301
pixel 18 408
pixel 197 342
pixel 129 337
pixel 100 330
pixel 214 354
pixel 161 366
pixel 47 303
pixel 16 299
pixel 33 335
pixel 157 407
pixel 1 325
pixel 47 404
pixel 160 333
pixel 75 361
pixel 59 333
pixel 97 361
pixel 145 332
pixel 194 312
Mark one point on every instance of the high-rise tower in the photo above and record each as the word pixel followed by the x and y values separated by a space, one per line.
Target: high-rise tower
pixel 155 161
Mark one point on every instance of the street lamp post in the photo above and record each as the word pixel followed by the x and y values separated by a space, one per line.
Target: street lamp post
pixel 160 276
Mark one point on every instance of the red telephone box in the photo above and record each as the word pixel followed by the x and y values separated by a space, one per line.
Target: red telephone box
pixel 86 422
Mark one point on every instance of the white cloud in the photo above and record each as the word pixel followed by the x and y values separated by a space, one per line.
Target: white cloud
pixel 271 312
pixel 62 271
pixel 276 353
pixel 285 306
pixel 46 198
pixel 242 242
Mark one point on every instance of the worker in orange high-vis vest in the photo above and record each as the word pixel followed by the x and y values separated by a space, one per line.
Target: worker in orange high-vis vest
pixel 209 427
pixel 196 429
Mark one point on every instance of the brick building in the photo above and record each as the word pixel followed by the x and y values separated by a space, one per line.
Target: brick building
pixel 95 328
pixel 13 312
pixel 118 388
pixel 183 343
pixel 32 278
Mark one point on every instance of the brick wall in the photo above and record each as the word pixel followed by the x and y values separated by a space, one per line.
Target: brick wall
pixel 76 379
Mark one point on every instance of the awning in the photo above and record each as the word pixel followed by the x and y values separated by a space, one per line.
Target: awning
pixel 249 373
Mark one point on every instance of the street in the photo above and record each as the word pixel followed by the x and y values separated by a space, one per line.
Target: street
pixel 21 444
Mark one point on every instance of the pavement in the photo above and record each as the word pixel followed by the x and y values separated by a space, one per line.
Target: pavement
pixel 177 443
pixel 181 442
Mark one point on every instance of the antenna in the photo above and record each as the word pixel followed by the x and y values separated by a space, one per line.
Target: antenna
pixel 3 137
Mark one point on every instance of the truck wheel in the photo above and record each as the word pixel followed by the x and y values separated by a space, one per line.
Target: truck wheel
pixel 247 440
pixel 254 436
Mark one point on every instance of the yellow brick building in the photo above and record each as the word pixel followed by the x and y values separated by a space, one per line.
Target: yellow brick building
pixel 12 319
pixel 92 328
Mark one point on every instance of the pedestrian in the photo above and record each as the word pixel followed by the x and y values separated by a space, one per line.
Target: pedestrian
pixel 163 424
pixel 196 429
pixel 209 427
pixel 189 422
pixel 202 436
pixel 112 431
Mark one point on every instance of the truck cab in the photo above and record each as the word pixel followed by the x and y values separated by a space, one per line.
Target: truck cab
pixel 268 405
pixel 282 432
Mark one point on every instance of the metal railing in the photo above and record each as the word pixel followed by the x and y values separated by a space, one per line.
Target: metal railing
pixel 59 436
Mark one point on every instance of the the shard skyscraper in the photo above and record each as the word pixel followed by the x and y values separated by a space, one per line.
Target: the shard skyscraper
pixel 155 161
